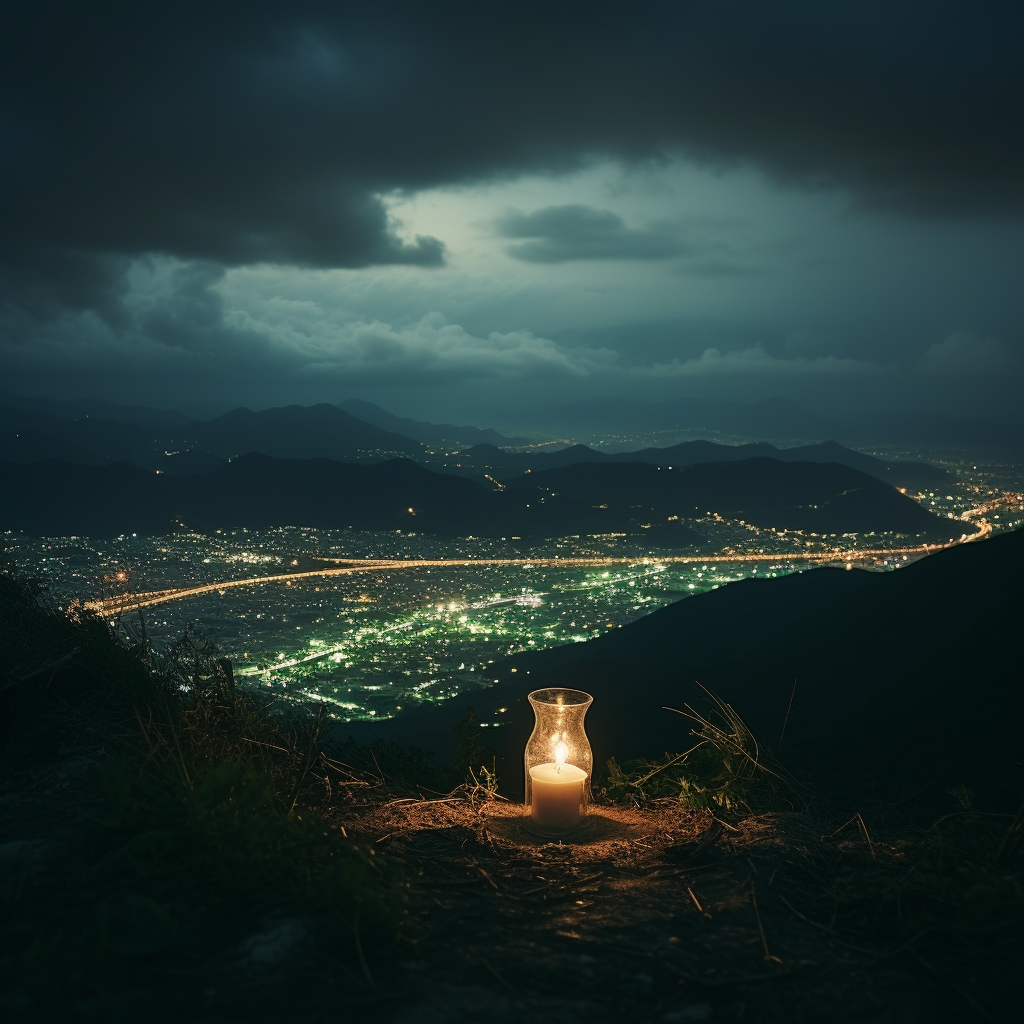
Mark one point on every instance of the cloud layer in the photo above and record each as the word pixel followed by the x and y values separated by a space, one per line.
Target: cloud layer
pixel 576 232
pixel 149 151
pixel 202 132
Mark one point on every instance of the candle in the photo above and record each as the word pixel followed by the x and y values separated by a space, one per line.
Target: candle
pixel 557 791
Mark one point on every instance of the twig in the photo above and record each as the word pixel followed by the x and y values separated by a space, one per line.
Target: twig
pixel 873 953
pixel 144 730
pixel 804 917
pixel 871 845
pixel 760 927
pixel 359 953
pixel 539 888
pixel 498 977
pixel 696 902
pixel 924 789
pixel 422 803
pixel 1014 826
pixel 789 707
pixel 725 824
pixel 181 756
pixel 491 881
pixel 398 832
pixel 380 774
pixel 53 663
pixel 966 996
pixel 832 835
pixel 313 746
pixel 260 743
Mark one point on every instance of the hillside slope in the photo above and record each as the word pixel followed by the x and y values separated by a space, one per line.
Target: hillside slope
pixel 490 458
pixel 258 491
pixel 294 432
pixel 904 680
pixel 818 497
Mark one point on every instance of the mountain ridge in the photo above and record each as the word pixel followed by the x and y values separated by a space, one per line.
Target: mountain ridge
pixel 319 431
pixel 420 430
pixel 910 475
pixel 257 490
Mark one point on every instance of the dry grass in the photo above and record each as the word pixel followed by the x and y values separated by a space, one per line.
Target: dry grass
pixel 725 768
pixel 172 849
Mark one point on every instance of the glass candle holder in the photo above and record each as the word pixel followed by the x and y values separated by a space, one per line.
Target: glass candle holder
pixel 559 761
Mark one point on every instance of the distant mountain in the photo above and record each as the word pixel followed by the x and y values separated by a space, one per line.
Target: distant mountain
pixel 931 429
pixel 905 681
pixel 774 419
pixel 95 408
pixel 185 463
pixel 818 497
pixel 22 443
pixel 319 431
pixel 259 491
pixel 491 459
pixel 421 431
pixel 911 475
pixel 294 432
pixel 27 436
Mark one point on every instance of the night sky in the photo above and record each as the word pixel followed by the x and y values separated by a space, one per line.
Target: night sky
pixel 461 211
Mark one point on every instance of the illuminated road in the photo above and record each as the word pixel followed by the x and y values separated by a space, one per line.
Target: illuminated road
pixel 122 603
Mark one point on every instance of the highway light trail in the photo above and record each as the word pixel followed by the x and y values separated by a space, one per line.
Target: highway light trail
pixel 122 603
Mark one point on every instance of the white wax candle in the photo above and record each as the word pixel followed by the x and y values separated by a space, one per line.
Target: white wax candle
pixel 556 794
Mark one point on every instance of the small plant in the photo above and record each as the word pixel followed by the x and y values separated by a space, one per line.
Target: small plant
pixel 196 816
pixel 481 785
pixel 725 768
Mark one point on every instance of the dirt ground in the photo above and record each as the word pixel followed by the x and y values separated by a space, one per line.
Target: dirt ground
pixel 662 914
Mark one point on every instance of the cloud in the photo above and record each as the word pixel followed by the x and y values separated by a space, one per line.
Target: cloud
pixel 576 232
pixel 194 132
pixel 964 352
pixel 431 350
pixel 756 361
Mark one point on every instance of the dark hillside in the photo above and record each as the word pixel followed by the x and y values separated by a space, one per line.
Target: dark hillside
pixel 95 408
pixel 421 431
pixel 257 491
pixel 904 679
pixel 60 498
pixel 818 497
pixel 911 475
pixel 21 443
pixel 295 432
pixel 489 458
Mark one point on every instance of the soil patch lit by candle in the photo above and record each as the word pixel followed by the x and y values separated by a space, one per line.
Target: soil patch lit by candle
pixel 660 913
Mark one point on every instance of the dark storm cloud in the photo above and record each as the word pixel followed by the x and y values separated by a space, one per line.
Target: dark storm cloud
pixel 266 132
pixel 576 232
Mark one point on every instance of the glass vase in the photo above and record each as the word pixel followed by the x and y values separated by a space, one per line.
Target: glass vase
pixel 559 762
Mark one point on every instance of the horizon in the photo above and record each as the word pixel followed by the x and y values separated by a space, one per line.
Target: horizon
pixel 522 423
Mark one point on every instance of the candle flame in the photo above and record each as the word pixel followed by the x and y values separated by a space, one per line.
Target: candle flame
pixel 561 753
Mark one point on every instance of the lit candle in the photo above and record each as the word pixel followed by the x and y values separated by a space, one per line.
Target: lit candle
pixel 557 791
